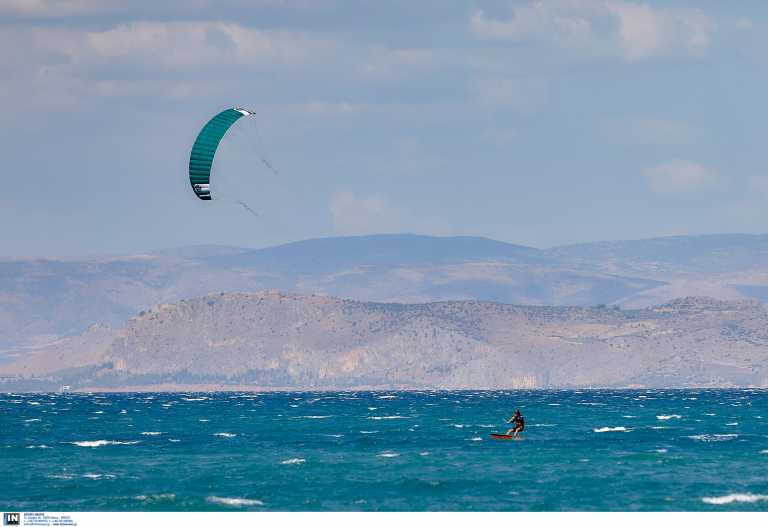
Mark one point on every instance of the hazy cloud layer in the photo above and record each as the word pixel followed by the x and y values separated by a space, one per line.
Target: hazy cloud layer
pixel 630 30
pixel 511 119
pixel 680 176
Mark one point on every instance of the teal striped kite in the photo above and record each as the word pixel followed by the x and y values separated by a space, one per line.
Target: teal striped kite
pixel 204 149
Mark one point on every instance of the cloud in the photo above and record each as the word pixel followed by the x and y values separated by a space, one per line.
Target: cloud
pixel 518 94
pixel 63 67
pixel 629 30
pixel 56 8
pixel 354 214
pixel 645 32
pixel 649 130
pixel 680 176
pixel 193 44
pixel 178 45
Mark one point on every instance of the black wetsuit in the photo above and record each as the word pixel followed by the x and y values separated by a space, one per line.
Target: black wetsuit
pixel 520 423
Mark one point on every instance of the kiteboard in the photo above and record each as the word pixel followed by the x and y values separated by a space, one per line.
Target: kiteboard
pixel 504 436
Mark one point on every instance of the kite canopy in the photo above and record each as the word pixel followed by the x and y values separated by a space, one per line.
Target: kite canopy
pixel 204 149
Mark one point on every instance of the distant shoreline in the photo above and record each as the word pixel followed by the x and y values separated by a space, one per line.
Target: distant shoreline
pixel 199 388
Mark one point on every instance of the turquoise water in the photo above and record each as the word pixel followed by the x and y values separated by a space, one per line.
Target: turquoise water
pixel 591 450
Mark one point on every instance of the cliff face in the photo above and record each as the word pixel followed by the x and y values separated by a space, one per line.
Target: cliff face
pixel 275 340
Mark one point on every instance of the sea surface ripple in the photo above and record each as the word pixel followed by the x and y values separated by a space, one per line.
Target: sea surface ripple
pixel 589 450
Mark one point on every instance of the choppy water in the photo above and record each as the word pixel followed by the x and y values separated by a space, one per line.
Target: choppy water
pixel 591 450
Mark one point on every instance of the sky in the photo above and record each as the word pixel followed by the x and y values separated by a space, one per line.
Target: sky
pixel 537 123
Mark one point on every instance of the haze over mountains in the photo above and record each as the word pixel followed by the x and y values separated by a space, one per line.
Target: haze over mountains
pixel 41 300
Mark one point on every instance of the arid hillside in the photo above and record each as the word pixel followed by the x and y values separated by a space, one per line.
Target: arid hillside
pixel 272 340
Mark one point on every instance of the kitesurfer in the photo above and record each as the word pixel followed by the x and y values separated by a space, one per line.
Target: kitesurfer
pixel 519 424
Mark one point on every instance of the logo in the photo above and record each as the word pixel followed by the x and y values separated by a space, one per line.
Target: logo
pixel 11 518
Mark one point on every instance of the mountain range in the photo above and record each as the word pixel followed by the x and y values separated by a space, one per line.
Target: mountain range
pixel 42 300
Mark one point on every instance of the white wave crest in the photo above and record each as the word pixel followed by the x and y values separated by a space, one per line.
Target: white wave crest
pixel 293 461
pixel 155 497
pixel 151 433
pixel 735 498
pixel 224 434
pixel 668 417
pixel 380 417
pixel 612 429
pixel 233 502
pixel 316 416
pixel 388 454
pixel 709 438
pixel 101 442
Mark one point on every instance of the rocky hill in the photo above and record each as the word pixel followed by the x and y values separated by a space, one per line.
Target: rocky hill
pixel 272 340
pixel 43 300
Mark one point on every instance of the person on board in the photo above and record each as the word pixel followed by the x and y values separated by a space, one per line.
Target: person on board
pixel 519 424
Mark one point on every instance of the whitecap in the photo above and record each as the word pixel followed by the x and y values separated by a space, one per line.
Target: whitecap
pixel 155 497
pixel 101 442
pixel 732 424
pixel 423 453
pixel 194 398
pixel 388 454
pixel 224 434
pixel 668 417
pixel 233 502
pixel 612 429
pixel 543 425
pixel 380 417
pixel 151 433
pixel 369 431
pixel 475 439
pixel 387 397
pixel 735 498
pixel 708 438
pixel 38 446
pixel 293 461
pixel 174 440
pixel 31 420
pixel 203 420
pixel 661 450
pixel 316 416
pixel 99 476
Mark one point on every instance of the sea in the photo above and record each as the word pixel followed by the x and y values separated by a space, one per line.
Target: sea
pixel 591 450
